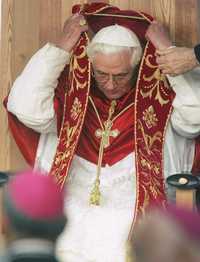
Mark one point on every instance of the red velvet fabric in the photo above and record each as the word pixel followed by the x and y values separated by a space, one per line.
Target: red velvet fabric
pixel 26 138
pixel 121 146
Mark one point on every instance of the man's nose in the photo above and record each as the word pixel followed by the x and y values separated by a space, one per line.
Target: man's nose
pixel 110 83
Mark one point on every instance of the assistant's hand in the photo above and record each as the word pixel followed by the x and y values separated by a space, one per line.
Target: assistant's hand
pixel 158 35
pixel 176 60
pixel 72 30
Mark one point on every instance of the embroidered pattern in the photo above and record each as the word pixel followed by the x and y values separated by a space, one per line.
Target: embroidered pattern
pixel 68 142
pixel 76 109
pixel 77 69
pixel 75 105
pixel 156 89
pixel 149 117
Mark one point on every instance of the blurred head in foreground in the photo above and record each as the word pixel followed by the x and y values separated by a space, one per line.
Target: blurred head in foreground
pixel 163 235
pixel 33 207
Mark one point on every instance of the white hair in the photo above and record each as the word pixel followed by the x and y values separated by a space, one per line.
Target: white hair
pixel 135 52
pixel 114 39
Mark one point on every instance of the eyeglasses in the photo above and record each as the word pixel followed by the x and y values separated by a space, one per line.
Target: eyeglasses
pixel 117 79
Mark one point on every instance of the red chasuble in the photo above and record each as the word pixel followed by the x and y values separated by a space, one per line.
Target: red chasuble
pixel 145 129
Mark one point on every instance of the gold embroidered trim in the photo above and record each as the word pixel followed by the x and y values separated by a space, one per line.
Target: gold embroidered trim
pixel 121 16
pixel 76 108
pixel 65 155
pixel 149 117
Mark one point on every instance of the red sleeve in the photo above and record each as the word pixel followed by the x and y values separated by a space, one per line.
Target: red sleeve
pixel 26 139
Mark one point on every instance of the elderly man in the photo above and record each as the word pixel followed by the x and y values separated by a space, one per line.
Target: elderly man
pixel 103 126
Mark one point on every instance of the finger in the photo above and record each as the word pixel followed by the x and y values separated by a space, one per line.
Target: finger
pixel 167 70
pixel 165 51
pixel 161 60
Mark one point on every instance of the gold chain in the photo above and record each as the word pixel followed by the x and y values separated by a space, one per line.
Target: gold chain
pixel 95 194
pixel 105 134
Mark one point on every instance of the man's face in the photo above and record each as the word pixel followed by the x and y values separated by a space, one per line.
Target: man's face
pixel 113 73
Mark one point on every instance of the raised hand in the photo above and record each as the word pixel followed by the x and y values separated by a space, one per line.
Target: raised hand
pixel 158 35
pixel 72 30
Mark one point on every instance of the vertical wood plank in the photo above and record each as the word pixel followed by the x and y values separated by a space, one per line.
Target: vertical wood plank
pixel 7 28
pixel 66 9
pixel 187 26
pixel 185 198
pixel 24 43
pixel 49 20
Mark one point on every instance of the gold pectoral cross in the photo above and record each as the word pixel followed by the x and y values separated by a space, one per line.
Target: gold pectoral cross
pixel 106 133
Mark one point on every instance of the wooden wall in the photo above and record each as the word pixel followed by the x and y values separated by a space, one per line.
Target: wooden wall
pixel 28 24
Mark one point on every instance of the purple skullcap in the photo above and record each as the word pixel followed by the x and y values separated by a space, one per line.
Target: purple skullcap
pixel 35 195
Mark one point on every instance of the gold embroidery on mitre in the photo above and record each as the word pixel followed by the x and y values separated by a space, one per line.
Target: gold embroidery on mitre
pixel 76 109
pixel 155 87
pixel 149 117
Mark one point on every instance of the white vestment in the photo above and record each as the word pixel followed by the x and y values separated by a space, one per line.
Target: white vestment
pixel 98 233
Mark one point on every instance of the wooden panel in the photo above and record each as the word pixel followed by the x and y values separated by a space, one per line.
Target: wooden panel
pixel 182 17
pixel 187 22
pixel 50 20
pixel 25 42
pixel 185 198
pixel 5 80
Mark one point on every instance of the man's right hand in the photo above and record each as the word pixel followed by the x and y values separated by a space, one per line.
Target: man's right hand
pixel 72 30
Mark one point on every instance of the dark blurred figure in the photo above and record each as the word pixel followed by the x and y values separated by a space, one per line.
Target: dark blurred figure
pixel 166 235
pixel 34 217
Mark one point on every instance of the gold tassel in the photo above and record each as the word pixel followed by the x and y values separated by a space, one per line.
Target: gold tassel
pixel 130 256
pixel 95 194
